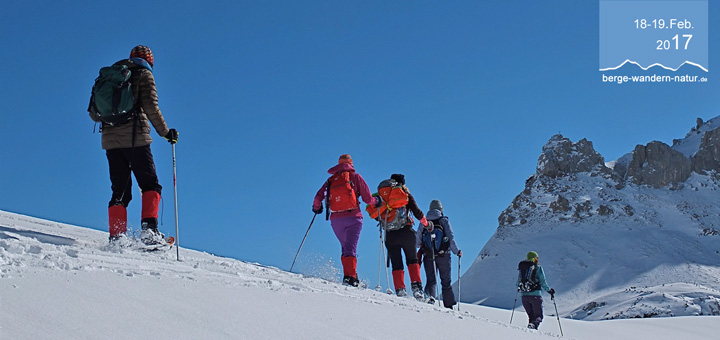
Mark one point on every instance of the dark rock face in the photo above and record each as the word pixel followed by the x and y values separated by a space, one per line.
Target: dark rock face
pixel 708 157
pixel 658 165
pixel 560 205
pixel 604 210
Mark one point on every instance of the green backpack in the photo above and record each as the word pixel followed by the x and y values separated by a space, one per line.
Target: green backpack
pixel 112 100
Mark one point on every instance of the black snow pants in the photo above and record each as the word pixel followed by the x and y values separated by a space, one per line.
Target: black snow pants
pixel 400 241
pixel 443 264
pixel 143 167
pixel 533 308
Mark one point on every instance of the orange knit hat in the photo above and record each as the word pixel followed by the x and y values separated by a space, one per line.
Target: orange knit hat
pixel 143 52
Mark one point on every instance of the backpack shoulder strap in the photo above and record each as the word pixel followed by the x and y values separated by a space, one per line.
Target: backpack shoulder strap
pixel 352 184
pixel 437 224
pixel 327 199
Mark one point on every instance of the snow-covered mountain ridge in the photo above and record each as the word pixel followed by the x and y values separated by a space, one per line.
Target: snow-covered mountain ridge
pixel 636 237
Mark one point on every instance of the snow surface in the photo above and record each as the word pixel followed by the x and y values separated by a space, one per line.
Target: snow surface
pixel 59 281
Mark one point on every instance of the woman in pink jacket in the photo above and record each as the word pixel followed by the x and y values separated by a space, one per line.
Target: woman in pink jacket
pixel 341 193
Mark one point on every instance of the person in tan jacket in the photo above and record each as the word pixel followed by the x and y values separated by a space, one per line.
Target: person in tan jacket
pixel 127 147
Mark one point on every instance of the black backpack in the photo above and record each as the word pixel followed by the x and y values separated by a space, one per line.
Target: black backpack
pixel 440 244
pixel 528 281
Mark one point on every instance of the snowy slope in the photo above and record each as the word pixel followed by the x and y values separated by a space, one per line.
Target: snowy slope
pixel 691 143
pixel 610 248
pixel 595 258
pixel 62 282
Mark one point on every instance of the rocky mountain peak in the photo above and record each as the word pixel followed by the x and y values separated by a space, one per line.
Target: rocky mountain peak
pixel 560 156
pixel 612 234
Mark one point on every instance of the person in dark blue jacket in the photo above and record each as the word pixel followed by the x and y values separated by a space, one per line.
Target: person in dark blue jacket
pixel 444 244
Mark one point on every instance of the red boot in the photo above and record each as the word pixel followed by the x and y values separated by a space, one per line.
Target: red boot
pixel 414 271
pixel 150 206
pixel 349 264
pixel 399 282
pixel 117 220
pixel 416 281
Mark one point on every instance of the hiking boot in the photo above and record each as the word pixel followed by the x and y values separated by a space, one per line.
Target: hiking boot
pixel 119 241
pixel 431 300
pixel 350 281
pixel 531 326
pixel 151 236
pixel 418 293
pixel 401 292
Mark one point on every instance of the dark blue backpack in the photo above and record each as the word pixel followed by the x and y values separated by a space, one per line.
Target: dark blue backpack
pixel 438 245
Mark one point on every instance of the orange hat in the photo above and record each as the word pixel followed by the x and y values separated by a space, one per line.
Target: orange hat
pixel 345 158
pixel 143 52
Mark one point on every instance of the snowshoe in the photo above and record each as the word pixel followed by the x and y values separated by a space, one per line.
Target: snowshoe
pixel 431 300
pixel 119 241
pixel 418 293
pixel 164 245
pixel 152 236
pixel 350 281
pixel 401 292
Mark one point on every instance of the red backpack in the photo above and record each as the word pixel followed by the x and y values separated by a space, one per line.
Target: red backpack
pixel 392 214
pixel 341 194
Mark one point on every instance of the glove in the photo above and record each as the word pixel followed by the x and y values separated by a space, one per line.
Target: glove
pixel 318 211
pixel 420 255
pixel 552 293
pixel 459 253
pixel 172 136
pixel 429 225
pixel 379 200
pixel 424 221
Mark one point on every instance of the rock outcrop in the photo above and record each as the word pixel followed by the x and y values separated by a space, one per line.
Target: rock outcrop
pixel 560 156
pixel 708 156
pixel 658 165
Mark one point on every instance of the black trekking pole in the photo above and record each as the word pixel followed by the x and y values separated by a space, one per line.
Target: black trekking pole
pixel 303 242
pixel 514 304
pixel 177 232
pixel 458 299
pixel 552 297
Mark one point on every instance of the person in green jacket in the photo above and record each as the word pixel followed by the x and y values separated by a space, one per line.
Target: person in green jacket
pixel 531 281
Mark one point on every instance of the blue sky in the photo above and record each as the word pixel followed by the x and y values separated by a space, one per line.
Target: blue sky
pixel 460 96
